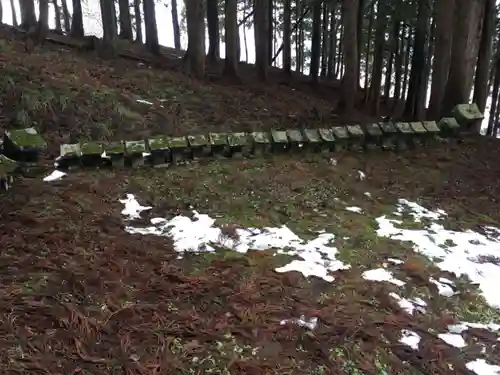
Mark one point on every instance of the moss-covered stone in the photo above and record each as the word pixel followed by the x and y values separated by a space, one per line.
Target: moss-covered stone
pixel 431 126
pixel 389 135
pixel 449 126
pixel 91 153
pixel 373 138
pixel 177 142
pixel 159 150
pixel 114 153
pixel 404 128
pixel 418 127
pixel 180 152
pixel 240 144
pixel 24 145
pixel 261 142
pixel 158 143
pixel 219 144
pixel 279 140
pixel 340 132
pixel 328 139
pixel 296 139
pixel 135 152
pixel 199 144
pixel 314 143
pixel 467 114
pixel 70 155
pixel 405 137
pixel 7 166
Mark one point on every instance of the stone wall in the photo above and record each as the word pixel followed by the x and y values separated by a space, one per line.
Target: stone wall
pixel 24 147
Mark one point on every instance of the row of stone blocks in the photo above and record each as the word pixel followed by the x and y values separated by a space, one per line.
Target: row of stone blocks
pixel 25 145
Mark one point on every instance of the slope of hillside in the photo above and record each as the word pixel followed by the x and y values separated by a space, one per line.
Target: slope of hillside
pixel 377 264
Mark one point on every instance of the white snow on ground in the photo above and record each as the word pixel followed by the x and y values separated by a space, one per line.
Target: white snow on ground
pixel 466 253
pixel 355 209
pixel 55 175
pixel 302 322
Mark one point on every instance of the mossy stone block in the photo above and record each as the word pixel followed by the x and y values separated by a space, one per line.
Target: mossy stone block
pixel 179 149
pixel 404 128
pixel 135 152
pixel 418 127
pixel 69 155
pixel 313 139
pixel 373 137
pixel 373 130
pixel 449 126
pixel 91 153
pixel 279 140
pixel 389 135
pixel 219 144
pixel 356 137
pixel 114 153
pixel 467 114
pixel 159 150
pixel 261 142
pixel 431 127
pixel 240 144
pixel 7 168
pixel 342 137
pixel 328 139
pixel 200 145
pixel 296 139
pixel 24 144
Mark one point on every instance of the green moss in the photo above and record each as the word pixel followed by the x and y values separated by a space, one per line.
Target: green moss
pixel 218 139
pixel 71 150
pixel 177 142
pixel 198 140
pixel 135 147
pixel 158 143
pixel 114 148
pixel 91 148
pixel 26 138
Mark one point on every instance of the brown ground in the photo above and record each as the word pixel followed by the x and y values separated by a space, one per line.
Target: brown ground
pixel 78 295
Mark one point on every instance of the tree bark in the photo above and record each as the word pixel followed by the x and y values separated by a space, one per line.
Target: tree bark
pixel 175 25
pixel 152 43
pixel 213 31
pixel 368 48
pixel 378 59
pixel 138 21
pixel 324 42
pixel 261 30
pixel 350 79
pixel 270 29
pixel 464 53
pixel 66 16
pixel 332 43
pixel 28 17
pixel 398 61
pixel 194 59
pixel 57 16
pixel 109 27
pixel 14 13
pixel 416 89
pixel 287 37
pixel 494 97
pixel 481 87
pixel 315 43
pixel 231 38
pixel 125 20
pixel 43 21
pixel 77 20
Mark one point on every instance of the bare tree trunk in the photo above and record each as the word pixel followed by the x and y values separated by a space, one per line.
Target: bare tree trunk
pixel 77 20
pixel 350 79
pixel 406 60
pixel 43 21
pixel 324 43
pixel 481 87
pixel 368 49
pixel 287 37
pixel 14 15
pixel 125 20
pixel 28 17
pixel 231 38
pixel 398 61
pixel 245 42
pixel 109 27
pixel 261 27
pixel 315 43
pixel 57 16
pixel 138 21
pixel 213 31
pixel 332 41
pixel 194 59
pixel 270 28
pixel 175 25
pixel 152 43
pixel 66 17
pixel 378 59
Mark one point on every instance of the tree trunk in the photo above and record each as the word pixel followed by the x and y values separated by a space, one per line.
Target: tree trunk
pixel 66 17
pixel 108 26
pixel 378 59
pixel 245 42
pixel 175 25
pixel 442 56
pixel 416 90
pixel 14 15
pixel 152 43
pixel 57 16
pixel 28 17
pixel 324 43
pixel 213 31
pixel 77 20
pixel 338 70
pixel 270 25
pixel 368 48
pixel 398 61
pixel 1 12
pixel 138 21
pixel 350 79
pixel 494 96
pixel 299 42
pixel 231 38
pixel 261 30
pixel 427 70
pixel 315 42
pixel 194 59
pixel 464 53
pixel 287 37
pixel 484 57
pixel 332 43
pixel 361 8
pixel 125 20
pixel 407 59
pixel 43 21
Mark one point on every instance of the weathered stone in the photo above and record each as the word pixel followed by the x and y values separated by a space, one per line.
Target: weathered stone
pixel 328 139
pixel 418 127
pixel 467 115
pixel 405 135
pixel 261 143
pixel 179 149
pixel 373 138
pixel 341 138
pixel 356 137
pixel 24 145
pixel 91 153
pixel 404 128
pixel 240 144
pixel 296 139
pixel 314 141
pixel 199 145
pixel 389 135
pixel 421 134
pixel 159 150
pixel 280 141
pixel 449 126
pixel 114 154
pixel 70 155
pixel 135 152
pixel 219 144
pixel 7 168
pixel 431 127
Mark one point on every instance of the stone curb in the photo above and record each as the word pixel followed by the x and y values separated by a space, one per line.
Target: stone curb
pixel 25 145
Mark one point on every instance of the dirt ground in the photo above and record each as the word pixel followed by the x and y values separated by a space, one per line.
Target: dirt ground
pixel 81 296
